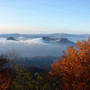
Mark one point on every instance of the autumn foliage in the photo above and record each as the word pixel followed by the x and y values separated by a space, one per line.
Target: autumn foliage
pixel 74 68
pixel 5 73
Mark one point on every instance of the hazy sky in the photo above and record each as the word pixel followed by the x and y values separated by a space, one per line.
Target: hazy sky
pixel 45 16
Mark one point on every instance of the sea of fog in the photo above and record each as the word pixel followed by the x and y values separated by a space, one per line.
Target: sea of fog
pixel 25 47
pixel 33 52
pixel 30 47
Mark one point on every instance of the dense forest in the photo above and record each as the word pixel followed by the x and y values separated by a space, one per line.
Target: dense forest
pixel 72 72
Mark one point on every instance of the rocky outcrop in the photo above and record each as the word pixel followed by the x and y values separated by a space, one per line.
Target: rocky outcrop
pixel 11 38
pixel 57 40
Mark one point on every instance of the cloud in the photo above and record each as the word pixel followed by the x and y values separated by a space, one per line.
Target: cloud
pixel 30 47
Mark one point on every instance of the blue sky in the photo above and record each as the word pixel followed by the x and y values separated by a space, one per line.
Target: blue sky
pixel 45 16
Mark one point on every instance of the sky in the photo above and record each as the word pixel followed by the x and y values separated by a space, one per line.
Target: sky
pixel 45 16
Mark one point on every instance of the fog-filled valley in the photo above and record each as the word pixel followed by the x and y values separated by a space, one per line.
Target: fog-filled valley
pixel 38 50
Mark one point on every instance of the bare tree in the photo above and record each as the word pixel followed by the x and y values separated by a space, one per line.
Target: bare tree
pixel 13 56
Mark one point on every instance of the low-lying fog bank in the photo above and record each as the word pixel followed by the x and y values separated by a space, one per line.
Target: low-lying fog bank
pixel 38 53
pixel 31 47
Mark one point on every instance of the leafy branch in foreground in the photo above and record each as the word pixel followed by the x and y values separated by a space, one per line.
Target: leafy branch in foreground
pixel 74 68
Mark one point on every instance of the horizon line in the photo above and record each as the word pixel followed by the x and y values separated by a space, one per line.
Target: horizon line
pixel 47 33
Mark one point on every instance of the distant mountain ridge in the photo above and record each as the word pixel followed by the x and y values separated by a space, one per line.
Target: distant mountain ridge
pixel 42 35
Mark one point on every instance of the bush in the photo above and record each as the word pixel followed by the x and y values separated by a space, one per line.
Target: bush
pixel 24 80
